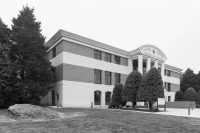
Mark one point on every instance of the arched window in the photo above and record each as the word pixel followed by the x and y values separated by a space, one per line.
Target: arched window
pixel 107 97
pixel 97 98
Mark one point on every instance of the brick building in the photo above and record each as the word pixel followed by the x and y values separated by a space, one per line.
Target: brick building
pixel 87 70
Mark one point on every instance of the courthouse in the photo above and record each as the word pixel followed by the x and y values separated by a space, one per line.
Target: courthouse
pixel 87 70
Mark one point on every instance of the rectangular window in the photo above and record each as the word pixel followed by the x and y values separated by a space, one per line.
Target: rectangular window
pixel 169 98
pixel 107 57
pixel 117 78
pixel 165 85
pixel 169 87
pixel 168 73
pixel 117 59
pixel 97 54
pixel 97 76
pixel 54 52
pixel 107 78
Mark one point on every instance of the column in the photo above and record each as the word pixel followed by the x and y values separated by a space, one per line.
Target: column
pixel 103 99
pixel 156 63
pixel 163 76
pixel 140 63
pixel 130 65
pixel 162 71
pixel 148 64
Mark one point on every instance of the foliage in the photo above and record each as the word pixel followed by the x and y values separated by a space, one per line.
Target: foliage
pixel 190 95
pixel 34 72
pixel 131 87
pixel 198 97
pixel 179 96
pixel 116 95
pixel 151 87
pixel 190 79
pixel 8 94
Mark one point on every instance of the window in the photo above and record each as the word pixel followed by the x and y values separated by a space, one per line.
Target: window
pixel 117 78
pixel 107 57
pixel 135 64
pixel 97 76
pixel 107 97
pixel 117 59
pixel 97 98
pixel 165 85
pixel 167 72
pixel 54 52
pixel 169 87
pixel 108 78
pixel 97 54
pixel 169 98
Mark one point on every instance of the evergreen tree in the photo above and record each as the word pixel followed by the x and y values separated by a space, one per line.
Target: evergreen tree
pixel 116 96
pixel 190 95
pixel 35 76
pixel 131 87
pixel 151 87
pixel 8 96
pixel 179 96
pixel 189 79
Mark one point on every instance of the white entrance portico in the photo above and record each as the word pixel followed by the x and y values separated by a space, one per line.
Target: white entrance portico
pixel 148 56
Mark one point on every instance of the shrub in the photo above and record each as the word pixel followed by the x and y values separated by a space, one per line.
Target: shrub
pixel 151 87
pixel 131 87
pixel 190 95
pixel 179 96
pixel 198 98
pixel 116 96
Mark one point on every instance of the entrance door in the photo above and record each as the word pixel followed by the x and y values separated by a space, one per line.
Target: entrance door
pixel 53 98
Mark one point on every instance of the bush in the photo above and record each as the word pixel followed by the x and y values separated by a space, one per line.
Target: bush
pixel 190 95
pixel 131 87
pixel 116 96
pixel 198 99
pixel 179 96
pixel 151 87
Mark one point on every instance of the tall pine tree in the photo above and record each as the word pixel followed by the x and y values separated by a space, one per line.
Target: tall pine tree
pixel 35 76
pixel 151 87
pixel 8 90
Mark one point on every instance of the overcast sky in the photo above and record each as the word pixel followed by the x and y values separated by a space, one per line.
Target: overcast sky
pixel 171 25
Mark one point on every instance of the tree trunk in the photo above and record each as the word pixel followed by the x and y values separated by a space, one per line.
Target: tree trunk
pixel 150 106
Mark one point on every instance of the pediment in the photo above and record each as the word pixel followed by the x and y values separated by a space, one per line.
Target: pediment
pixel 150 50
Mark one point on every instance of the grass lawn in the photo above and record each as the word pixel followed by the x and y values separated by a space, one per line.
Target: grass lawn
pixel 105 120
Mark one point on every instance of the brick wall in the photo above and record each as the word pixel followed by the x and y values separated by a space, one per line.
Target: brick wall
pixel 78 73
pixel 77 49
pixel 49 55
pixel 180 104
pixel 59 73
pixel 175 87
pixel 124 61
pixel 174 74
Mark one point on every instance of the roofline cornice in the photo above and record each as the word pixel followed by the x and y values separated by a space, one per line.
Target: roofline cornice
pixel 62 33
pixel 173 68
